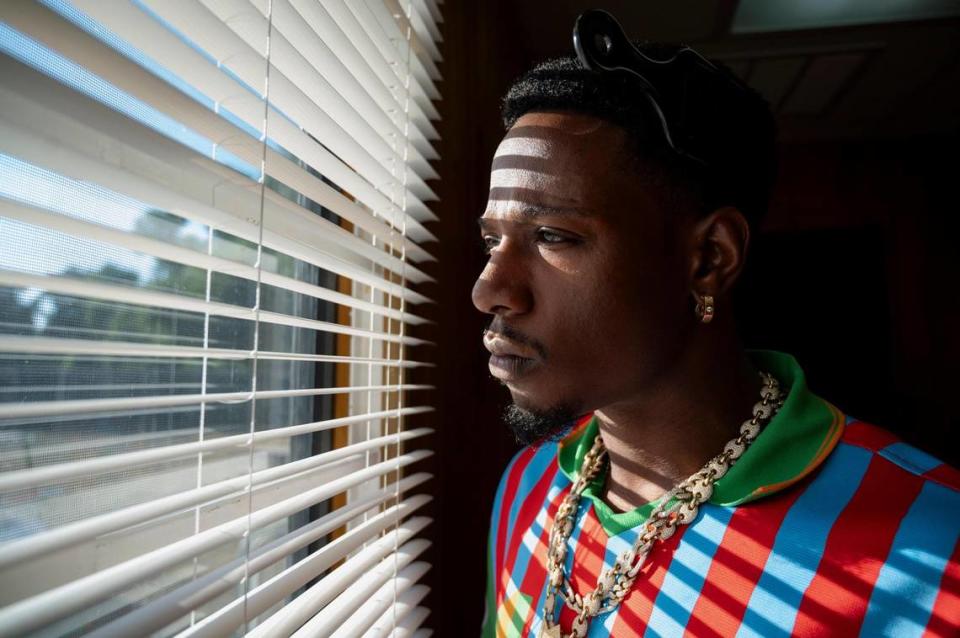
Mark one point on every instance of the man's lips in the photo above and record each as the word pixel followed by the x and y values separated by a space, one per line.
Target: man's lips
pixel 500 346
pixel 508 360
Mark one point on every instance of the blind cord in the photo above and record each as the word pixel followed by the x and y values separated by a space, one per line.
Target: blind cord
pixel 203 405
pixel 256 321
pixel 403 283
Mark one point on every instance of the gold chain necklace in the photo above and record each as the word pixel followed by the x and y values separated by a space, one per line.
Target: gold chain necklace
pixel 677 507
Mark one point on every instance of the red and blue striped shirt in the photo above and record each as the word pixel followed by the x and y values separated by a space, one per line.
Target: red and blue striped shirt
pixel 826 526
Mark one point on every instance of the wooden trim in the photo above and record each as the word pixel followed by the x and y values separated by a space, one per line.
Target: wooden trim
pixel 341 402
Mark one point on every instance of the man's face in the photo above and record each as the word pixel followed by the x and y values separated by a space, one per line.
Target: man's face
pixel 586 280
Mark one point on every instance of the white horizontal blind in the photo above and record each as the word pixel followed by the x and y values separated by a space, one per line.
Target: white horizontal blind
pixel 212 225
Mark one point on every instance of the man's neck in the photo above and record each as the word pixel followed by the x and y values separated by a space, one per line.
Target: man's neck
pixel 660 437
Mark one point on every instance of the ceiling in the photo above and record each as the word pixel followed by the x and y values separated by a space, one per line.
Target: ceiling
pixel 888 78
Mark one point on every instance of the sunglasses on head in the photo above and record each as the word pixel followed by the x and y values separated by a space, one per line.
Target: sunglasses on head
pixel 676 87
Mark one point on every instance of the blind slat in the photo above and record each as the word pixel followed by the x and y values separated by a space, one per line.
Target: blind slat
pixel 410 171
pixel 62 36
pixel 383 625
pixel 434 7
pixel 160 612
pixel 360 604
pixel 194 68
pixel 409 625
pixel 388 41
pixel 293 615
pixel 427 31
pixel 343 58
pixel 41 610
pixel 145 297
pixel 206 30
pixel 267 594
pixel 18 551
pixel 100 348
pixel 32 409
pixel 388 68
pixel 67 471
pixel 189 257
pixel 431 28
pixel 393 18
pixel 34 128
pixel 324 25
pixel 355 587
pixel 295 48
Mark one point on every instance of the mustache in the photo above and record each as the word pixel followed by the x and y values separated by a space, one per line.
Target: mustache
pixel 497 326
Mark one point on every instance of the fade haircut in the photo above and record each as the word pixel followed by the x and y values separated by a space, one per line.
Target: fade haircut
pixel 743 179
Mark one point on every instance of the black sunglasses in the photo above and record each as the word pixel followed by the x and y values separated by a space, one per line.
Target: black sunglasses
pixel 676 87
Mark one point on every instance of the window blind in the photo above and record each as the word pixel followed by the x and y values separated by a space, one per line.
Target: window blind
pixel 213 220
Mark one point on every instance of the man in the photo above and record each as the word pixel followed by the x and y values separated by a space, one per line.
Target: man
pixel 702 489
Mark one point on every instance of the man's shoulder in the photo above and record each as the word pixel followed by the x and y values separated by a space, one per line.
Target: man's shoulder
pixel 899 458
pixel 870 541
pixel 876 486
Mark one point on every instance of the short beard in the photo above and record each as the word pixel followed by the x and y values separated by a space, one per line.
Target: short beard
pixel 533 427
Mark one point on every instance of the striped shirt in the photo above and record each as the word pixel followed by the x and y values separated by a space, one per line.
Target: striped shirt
pixel 825 526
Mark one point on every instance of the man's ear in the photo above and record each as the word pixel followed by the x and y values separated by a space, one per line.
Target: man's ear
pixel 719 250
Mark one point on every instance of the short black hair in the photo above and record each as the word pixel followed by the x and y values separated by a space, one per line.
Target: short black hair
pixel 743 179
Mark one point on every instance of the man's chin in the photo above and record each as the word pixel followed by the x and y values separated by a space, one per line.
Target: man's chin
pixel 533 426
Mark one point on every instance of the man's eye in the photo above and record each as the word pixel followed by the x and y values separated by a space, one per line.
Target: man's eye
pixel 490 242
pixel 548 236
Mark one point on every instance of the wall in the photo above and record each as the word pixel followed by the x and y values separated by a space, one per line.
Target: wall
pixel 852 274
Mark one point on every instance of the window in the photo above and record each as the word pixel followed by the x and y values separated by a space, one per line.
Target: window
pixel 211 219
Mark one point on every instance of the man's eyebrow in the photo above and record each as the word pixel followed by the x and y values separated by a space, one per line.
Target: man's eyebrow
pixel 533 211
pixel 539 210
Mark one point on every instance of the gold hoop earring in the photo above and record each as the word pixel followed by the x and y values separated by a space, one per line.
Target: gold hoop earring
pixel 705 308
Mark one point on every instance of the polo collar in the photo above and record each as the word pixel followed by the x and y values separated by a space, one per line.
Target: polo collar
pixel 791 446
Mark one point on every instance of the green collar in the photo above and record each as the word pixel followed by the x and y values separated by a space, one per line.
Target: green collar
pixel 793 444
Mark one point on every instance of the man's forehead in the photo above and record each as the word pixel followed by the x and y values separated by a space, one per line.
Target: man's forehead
pixel 546 134
pixel 524 183
pixel 550 160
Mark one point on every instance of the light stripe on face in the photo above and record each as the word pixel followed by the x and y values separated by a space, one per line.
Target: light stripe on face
pixel 524 157
pixel 523 146
pixel 524 178
pixel 524 175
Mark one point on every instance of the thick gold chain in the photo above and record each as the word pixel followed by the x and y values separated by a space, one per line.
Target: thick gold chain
pixel 677 507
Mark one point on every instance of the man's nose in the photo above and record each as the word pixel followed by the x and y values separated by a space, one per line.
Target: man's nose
pixel 503 288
